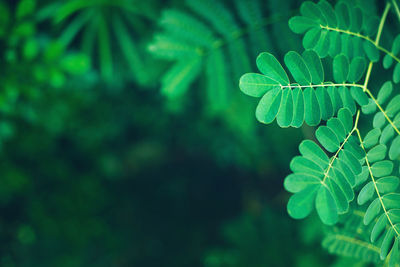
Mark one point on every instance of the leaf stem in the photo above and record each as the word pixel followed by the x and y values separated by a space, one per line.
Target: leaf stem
pixel 374 183
pixel 326 173
pixel 376 43
pixel 324 85
pixel 383 111
pixel 396 7
pixel 378 36
pixel 382 23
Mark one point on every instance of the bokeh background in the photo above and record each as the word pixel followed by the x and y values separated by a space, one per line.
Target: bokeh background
pixel 101 166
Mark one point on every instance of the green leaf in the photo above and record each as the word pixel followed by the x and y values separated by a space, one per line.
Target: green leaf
pixel 387 61
pixel 343 14
pixel 372 137
pixel 336 44
pixel 379 120
pixel 348 173
pixel 394 106
pixel 382 168
pixel 378 228
pixel 322 47
pixel 394 151
pixel 311 38
pixel 340 68
pixel 328 12
pixel 301 204
pixel 369 108
pixel 372 211
pixel 256 85
pixel 394 255
pixel 327 138
pixel 285 114
pixel 348 101
pixel 371 51
pixel 377 153
pixel 325 103
pixel 337 192
pixel 177 80
pixel 314 65
pixel 268 107
pixel 298 107
pixel 357 68
pixel 366 193
pixel 337 127
pixel 326 206
pixel 352 161
pixel 344 115
pixel 312 109
pixel 356 19
pixel 385 92
pixel 304 165
pixel 391 200
pixel 396 73
pixel 312 151
pixel 337 102
pixel 297 182
pixel 387 184
pixel 387 134
pixel 358 94
pixel 344 184
pixel 300 24
pixel 387 243
pixel 271 67
pixel 394 215
pixel 311 10
pixel 298 68
pixel 25 7
pixel 396 45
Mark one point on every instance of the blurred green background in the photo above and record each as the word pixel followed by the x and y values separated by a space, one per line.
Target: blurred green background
pixel 99 167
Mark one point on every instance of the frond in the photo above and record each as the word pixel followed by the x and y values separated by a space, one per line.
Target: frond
pixel 387 118
pixel 344 28
pixel 350 238
pixel 94 25
pixel 223 43
pixel 323 182
pixel 308 98
pixel 381 192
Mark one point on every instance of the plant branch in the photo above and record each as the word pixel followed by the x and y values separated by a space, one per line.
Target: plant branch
pixel 326 173
pixel 374 183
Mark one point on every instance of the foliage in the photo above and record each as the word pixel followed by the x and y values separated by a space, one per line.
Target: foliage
pixel 96 24
pixel 202 40
pixel 345 164
pixel 125 140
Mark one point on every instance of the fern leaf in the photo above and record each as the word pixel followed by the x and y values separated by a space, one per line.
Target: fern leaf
pixel 331 31
pixel 176 81
pixel 319 180
pixel 209 30
pixel 350 238
pixel 250 13
pixel 381 192
pixel 187 29
pixel 316 99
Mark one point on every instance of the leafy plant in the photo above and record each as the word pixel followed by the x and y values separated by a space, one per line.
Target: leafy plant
pixel 96 24
pixel 214 41
pixel 36 66
pixel 346 163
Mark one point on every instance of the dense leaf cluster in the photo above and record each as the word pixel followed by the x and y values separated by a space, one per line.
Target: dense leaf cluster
pixel 344 164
